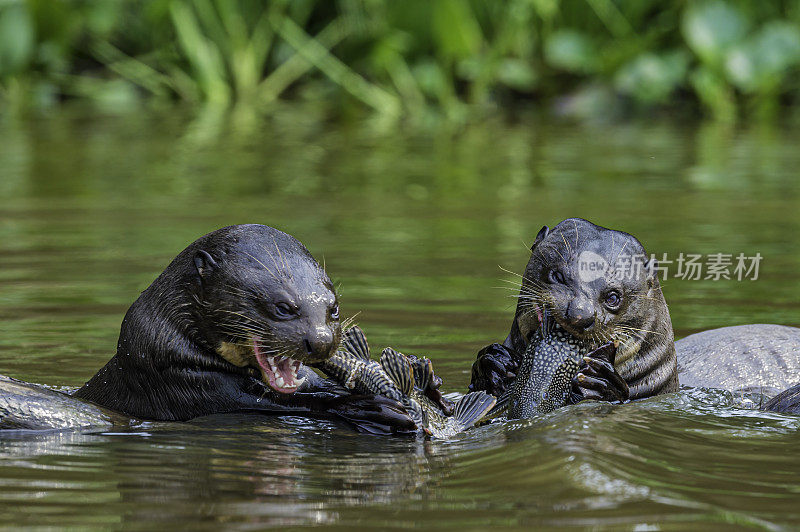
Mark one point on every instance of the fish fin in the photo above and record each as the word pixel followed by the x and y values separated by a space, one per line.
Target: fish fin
pixel 397 366
pixel 501 406
pixel 424 375
pixel 472 407
pixel 452 396
pixel 355 342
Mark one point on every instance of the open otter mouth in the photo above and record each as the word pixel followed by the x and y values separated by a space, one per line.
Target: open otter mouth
pixel 279 372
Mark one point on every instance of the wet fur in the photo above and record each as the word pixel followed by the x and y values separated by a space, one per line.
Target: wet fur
pixel 646 354
pixel 182 350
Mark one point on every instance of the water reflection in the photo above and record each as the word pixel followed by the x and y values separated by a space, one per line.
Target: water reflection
pixel 412 225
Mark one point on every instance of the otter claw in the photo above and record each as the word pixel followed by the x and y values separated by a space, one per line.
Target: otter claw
pixel 598 378
pixel 493 370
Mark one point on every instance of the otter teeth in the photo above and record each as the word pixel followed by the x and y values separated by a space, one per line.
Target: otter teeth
pixel 291 380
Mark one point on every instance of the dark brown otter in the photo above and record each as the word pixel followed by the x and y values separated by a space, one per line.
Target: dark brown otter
pixel 599 285
pixel 229 326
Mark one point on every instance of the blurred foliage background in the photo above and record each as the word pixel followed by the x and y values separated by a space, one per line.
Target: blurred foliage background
pixel 410 59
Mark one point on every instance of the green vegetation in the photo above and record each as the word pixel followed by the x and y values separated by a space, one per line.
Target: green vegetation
pixel 404 58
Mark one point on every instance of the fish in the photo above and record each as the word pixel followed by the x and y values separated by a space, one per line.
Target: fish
pixel 405 379
pixel 545 373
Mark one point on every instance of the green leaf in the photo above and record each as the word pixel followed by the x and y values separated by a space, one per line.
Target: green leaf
pixel 652 78
pixel 16 38
pixel 456 29
pixel 763 61
pixel 101 16
pixel 517 74
pixel 432 81
pixel 711 29
pixel 778 46
pixel 571 51
pixel 715 94
pixel 203 54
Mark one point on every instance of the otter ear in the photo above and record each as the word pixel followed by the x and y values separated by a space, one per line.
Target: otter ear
pixel 543 232
pixel 204 263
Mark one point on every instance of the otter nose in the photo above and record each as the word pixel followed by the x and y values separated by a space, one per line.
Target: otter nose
pixel 319 343
pixel 579 315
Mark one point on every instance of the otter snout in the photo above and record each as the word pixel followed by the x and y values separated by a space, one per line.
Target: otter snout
pixel 319 344
pixel 579 315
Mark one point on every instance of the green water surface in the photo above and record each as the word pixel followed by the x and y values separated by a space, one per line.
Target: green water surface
pixel 414 227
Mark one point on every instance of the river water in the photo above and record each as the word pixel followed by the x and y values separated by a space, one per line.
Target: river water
pixel 416 228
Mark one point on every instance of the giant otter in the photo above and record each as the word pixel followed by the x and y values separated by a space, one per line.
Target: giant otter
pixel 599 286
pixel 759 357
pixel 229 326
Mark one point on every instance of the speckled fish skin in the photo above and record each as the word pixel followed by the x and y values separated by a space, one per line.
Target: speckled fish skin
pixel 404 381
pixel 546 371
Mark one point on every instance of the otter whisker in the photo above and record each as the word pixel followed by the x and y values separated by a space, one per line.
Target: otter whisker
pixel 620 252
pixel 283 261
pixel 518 275
pixel 567 243
pixel 350 321
pixel 642 330
pixel 514 283
pixel 575 223
pixel 261 263
pixel 245 330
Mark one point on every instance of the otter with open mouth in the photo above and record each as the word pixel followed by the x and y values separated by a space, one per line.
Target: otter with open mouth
pixel 229 326
pixel 599 286
pixel 242 302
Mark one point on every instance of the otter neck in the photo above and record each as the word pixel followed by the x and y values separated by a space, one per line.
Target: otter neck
pixel 646 359
pixel 158 354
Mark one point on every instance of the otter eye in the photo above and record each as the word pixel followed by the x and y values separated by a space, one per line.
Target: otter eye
pixel 555 276
pixel 284 310
pixel 613 300
pixel 335 312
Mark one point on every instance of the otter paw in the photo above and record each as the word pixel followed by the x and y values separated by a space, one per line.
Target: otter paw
pixel 373 414
pixel 494 370
pixel 597 379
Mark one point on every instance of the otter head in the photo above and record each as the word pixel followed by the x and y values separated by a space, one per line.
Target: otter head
pixel 264 302
pixel 596 282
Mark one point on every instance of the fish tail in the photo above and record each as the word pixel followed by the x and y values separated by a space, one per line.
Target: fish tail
pixel 399 369
pixel 501 406
pixel 472 407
